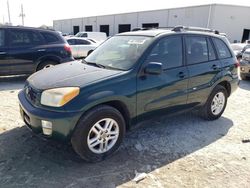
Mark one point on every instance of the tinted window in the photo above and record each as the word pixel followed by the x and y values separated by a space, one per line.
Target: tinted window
pixel 167 51
pixel 81 35
pixel 223 51
pixel 83 42
pixel 71 41
pixel 211 52
pixel 196 49
pixel 20 38
pixel 49 37
pixel 245 48
pixel 36 38
pixel 1 38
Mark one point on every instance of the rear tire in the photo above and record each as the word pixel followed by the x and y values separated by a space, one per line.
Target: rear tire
pixel 216 104
pixel 46 64
pixel 94 143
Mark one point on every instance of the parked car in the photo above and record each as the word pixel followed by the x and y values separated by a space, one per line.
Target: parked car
pixel 245 65
pixel 97 36
pixel 239 49
pixel 25 50
pixel 129 78
pixel 81 47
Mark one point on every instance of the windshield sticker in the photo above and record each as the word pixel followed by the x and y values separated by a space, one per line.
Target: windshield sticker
pixel 136 41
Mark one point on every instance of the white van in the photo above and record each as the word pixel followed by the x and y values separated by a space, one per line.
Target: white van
pixel 96 36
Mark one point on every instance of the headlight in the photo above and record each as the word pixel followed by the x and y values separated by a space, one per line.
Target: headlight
pixel 59 96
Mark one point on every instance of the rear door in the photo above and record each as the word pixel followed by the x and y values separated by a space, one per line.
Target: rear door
pixel 203 66
pixel 24 50
pixel 4 62
pixel 157 93
pixel 83 47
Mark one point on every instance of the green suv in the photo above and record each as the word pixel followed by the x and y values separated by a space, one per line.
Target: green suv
pixel 130 77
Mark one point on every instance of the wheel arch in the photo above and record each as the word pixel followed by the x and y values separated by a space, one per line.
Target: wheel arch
pixel 226 85
pixel 47 58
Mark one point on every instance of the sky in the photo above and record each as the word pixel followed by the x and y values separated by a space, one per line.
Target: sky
pixel 43 12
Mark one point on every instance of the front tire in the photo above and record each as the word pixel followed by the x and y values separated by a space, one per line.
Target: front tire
pixel 99 133
pixel 215 104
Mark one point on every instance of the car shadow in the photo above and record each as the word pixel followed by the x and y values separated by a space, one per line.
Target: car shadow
pixel 12 82
pixel 29 161
pixel 245 84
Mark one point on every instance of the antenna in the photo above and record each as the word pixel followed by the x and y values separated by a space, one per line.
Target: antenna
pixel 8 7
pixel 22 15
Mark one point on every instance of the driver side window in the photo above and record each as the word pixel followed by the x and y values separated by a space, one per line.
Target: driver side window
pixel 167 51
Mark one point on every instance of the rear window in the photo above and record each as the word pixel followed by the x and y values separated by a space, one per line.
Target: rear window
pixel 49 37
pixel 222 49
pixel 84 42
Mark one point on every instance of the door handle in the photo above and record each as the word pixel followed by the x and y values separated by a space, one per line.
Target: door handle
pixel 41 50
pixel 3 53
pixel 181 74
pixel 215 67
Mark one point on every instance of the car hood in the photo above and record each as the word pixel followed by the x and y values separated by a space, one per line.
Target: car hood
pixel 74 73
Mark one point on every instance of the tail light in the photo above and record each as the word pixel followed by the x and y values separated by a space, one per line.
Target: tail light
pixel 67 48
pixel 237 64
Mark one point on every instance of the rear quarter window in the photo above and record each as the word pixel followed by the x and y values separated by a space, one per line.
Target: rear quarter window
pixel 50 38
pixel 222 49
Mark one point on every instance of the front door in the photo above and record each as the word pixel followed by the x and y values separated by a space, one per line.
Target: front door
pixel 166 92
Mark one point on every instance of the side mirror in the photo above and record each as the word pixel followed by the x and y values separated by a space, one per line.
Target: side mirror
pixel 153 68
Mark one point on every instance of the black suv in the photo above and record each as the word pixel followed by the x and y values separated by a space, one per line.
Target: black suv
pixel 25 50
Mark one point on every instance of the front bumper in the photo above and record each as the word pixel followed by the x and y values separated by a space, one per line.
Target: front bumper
pixel 63 123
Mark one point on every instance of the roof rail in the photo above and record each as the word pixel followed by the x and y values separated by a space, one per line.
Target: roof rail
pixel 184 28
pixel 141 28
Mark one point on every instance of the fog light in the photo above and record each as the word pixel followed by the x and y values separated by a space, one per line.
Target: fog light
pixel 242 68
pixel 47 127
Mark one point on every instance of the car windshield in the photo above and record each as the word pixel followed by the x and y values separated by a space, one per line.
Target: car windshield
pixel 119 52
pixel 237 47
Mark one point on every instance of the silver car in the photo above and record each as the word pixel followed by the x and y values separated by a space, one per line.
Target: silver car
pixel 81 47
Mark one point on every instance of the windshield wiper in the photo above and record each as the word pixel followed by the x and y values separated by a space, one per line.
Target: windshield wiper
pixel 93 64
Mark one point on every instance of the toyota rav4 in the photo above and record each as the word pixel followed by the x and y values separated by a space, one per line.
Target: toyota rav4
pixel 130 77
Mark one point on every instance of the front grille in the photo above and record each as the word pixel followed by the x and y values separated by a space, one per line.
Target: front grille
pixel 32 94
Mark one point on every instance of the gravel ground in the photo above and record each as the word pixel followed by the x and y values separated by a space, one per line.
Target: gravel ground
pixel 176 151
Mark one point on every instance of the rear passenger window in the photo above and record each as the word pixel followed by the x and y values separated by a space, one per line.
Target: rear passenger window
pixel 49 37
pixel 222 49
pixel 20 38
pixel 36 38
pixel 167 51
pixel 196 49
pixel 2 38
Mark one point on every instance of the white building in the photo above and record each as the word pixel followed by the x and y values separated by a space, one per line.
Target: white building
pixel 230 19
